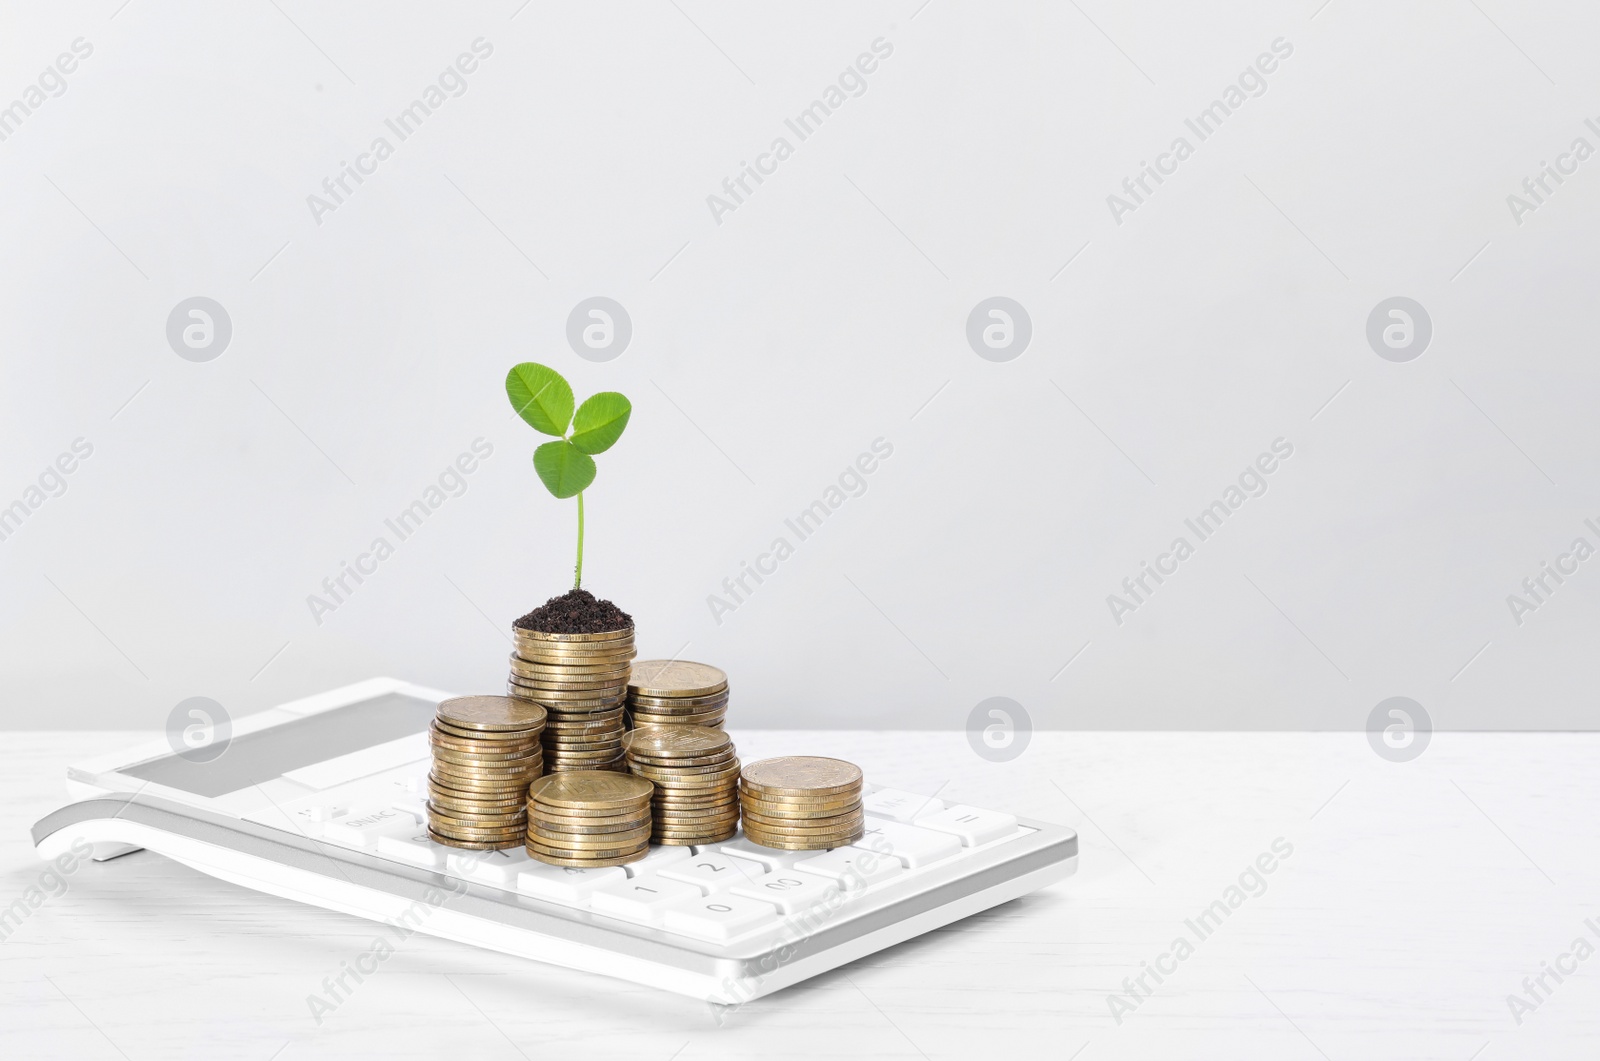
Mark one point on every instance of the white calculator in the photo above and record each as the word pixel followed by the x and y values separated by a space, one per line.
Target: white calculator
pixel 321 800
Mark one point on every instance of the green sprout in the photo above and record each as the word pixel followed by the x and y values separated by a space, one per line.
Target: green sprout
pixel 566 466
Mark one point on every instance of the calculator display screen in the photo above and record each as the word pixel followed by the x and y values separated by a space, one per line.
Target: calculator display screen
pixel 256 757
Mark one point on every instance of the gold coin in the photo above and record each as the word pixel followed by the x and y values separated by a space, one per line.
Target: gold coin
pixel 512 769
pixel 714 810
pixel 685 841
pixel 667 800
pixel 562 838
pixel 598 731
pixel 676 742
pixel 588 863
pixel 496 790
pixel 475 785
pixel 783 844
pixel 558 766
pixel 569 649
pixel 576 686
pixel 679 807
pixel 567 704
pixel 771 812
pixel 662 835
pixel 439 730
pixel 624 632
pixel 828 837
pixel 685 769
pixel 697 828
pixel 573 652
pixel 801 775
pixel 465 808
pixel 610 733
pixel 485 749
pixel 836 821
pixel 583 814
pixel 585 826
pixel 701 821
pixel 462 808
pixel 690 776
pixel 604 749
pixel 611 719
pixel 451 823
pixel 590 791
pixel 539 673
pixel 683 706
pixel 675 677
pixel 492 760
pixel 561 703
pixel 571 664
pixel 487 836
pixel 490 713
pixel 704 764
pixel 535 843
pixel 473 845
pixel 644 718
pixel 753 827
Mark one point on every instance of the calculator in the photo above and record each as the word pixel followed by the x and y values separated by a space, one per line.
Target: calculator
pixel 321 801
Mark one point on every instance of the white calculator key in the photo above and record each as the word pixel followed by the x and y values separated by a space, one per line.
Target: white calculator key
pixel 972 825
pixel 852 867
pixel 789 890
pixel 413 807
pixel 900 806
pixel 416 847
pixel 718 917
pixel 713 873
pixel 913 846
pixel 363 830
pixel 565 884
pixel 499 868
pixel 771 857
pixel 641 898
pixel 660 855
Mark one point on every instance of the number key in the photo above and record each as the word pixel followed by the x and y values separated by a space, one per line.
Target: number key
pixel 713 873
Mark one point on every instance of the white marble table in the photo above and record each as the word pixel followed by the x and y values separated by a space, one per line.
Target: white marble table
pixel 1416 899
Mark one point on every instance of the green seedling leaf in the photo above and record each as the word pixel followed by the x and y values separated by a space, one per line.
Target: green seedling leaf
pixel 542 398
pixel 564 468
pixel 599 421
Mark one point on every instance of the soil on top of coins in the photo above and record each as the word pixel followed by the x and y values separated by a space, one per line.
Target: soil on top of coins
pixel 576 611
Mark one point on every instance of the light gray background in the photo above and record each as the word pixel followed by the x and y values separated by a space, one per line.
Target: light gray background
pixel 769 350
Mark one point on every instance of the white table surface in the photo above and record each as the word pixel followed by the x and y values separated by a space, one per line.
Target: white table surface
pixel 1417 898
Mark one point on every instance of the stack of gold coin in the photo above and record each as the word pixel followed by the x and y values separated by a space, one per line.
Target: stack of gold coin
pixel 485 752
pixel 696 777
pixel 669 692
pixel 802 803
pixel 589 819
pixel 582 681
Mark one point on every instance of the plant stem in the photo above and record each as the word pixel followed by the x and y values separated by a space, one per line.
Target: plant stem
pixel 577 580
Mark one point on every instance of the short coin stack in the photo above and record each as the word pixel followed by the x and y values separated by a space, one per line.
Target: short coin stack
pixel 588 819
pixel 696 778
pixel 485 752
pixel 667 692
pixel 802 803
pixel 582 680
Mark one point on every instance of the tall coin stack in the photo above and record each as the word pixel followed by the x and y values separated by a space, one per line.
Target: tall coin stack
pixel 588 819
pixel 485 752
pixel 582 681
pixel 802 803
pixel 696 778
pixel 667 692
